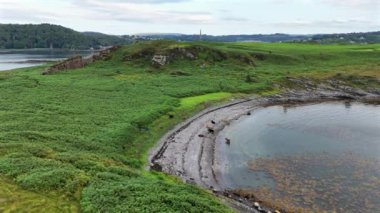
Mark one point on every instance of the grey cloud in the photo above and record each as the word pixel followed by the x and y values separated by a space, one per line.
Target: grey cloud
pixel 86 2
pixel 132 19
pixel 121 11
pixel 234 18
pixel 224 11
pixel 154 1
pixel 352 4
pixel 336 24
pixel 186 12
pixel 23 15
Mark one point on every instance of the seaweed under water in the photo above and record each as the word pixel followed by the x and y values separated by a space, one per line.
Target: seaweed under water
pixel 321 182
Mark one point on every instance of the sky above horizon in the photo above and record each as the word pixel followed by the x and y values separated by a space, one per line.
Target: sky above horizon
pixel 215 17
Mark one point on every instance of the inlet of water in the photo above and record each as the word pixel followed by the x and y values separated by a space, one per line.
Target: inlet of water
pixel 314 157
pixel 13 59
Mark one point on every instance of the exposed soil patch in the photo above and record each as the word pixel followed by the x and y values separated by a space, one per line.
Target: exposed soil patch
pixel 80 61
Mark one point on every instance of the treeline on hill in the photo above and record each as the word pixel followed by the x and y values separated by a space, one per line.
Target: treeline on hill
pixel 360 38
pixel 370 37
pixel 14 36
pixel 227 38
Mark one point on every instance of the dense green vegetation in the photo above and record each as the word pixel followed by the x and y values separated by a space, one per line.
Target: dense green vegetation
pixel 14 36
pixel 78 140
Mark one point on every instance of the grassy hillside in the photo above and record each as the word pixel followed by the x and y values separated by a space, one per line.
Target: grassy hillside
pixel 78 140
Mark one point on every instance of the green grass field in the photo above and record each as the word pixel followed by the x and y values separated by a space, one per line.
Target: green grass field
pixel 78 140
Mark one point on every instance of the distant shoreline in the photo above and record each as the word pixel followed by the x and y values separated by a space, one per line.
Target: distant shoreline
pixel 11 59
pixel 31 61
pixel 48 49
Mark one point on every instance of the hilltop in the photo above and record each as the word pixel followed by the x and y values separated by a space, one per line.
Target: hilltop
pixel 15 36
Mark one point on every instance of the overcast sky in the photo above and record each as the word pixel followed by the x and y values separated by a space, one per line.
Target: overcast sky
pixel 189 16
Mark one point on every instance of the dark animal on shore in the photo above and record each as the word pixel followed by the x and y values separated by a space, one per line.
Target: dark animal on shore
pixel 201 136
pixel 249 113
pixel 228 141
pixel 213 122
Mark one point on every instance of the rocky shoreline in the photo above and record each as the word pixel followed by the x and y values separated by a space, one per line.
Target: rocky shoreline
pixel 80 61
pixel 188 151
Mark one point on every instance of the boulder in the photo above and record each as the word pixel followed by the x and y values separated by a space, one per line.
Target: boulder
pixel 159 60
pixel 256 205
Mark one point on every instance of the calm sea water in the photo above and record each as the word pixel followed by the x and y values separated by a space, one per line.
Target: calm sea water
pixel 320 156
pixel 13 59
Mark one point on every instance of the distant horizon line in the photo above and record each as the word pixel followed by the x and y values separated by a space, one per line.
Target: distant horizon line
pixel 179 34
pixel 243 34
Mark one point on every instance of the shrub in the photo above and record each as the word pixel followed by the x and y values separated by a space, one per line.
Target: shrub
pixel 145 195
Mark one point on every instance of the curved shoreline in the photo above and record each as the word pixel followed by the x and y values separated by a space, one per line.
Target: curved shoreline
pixel 188 151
